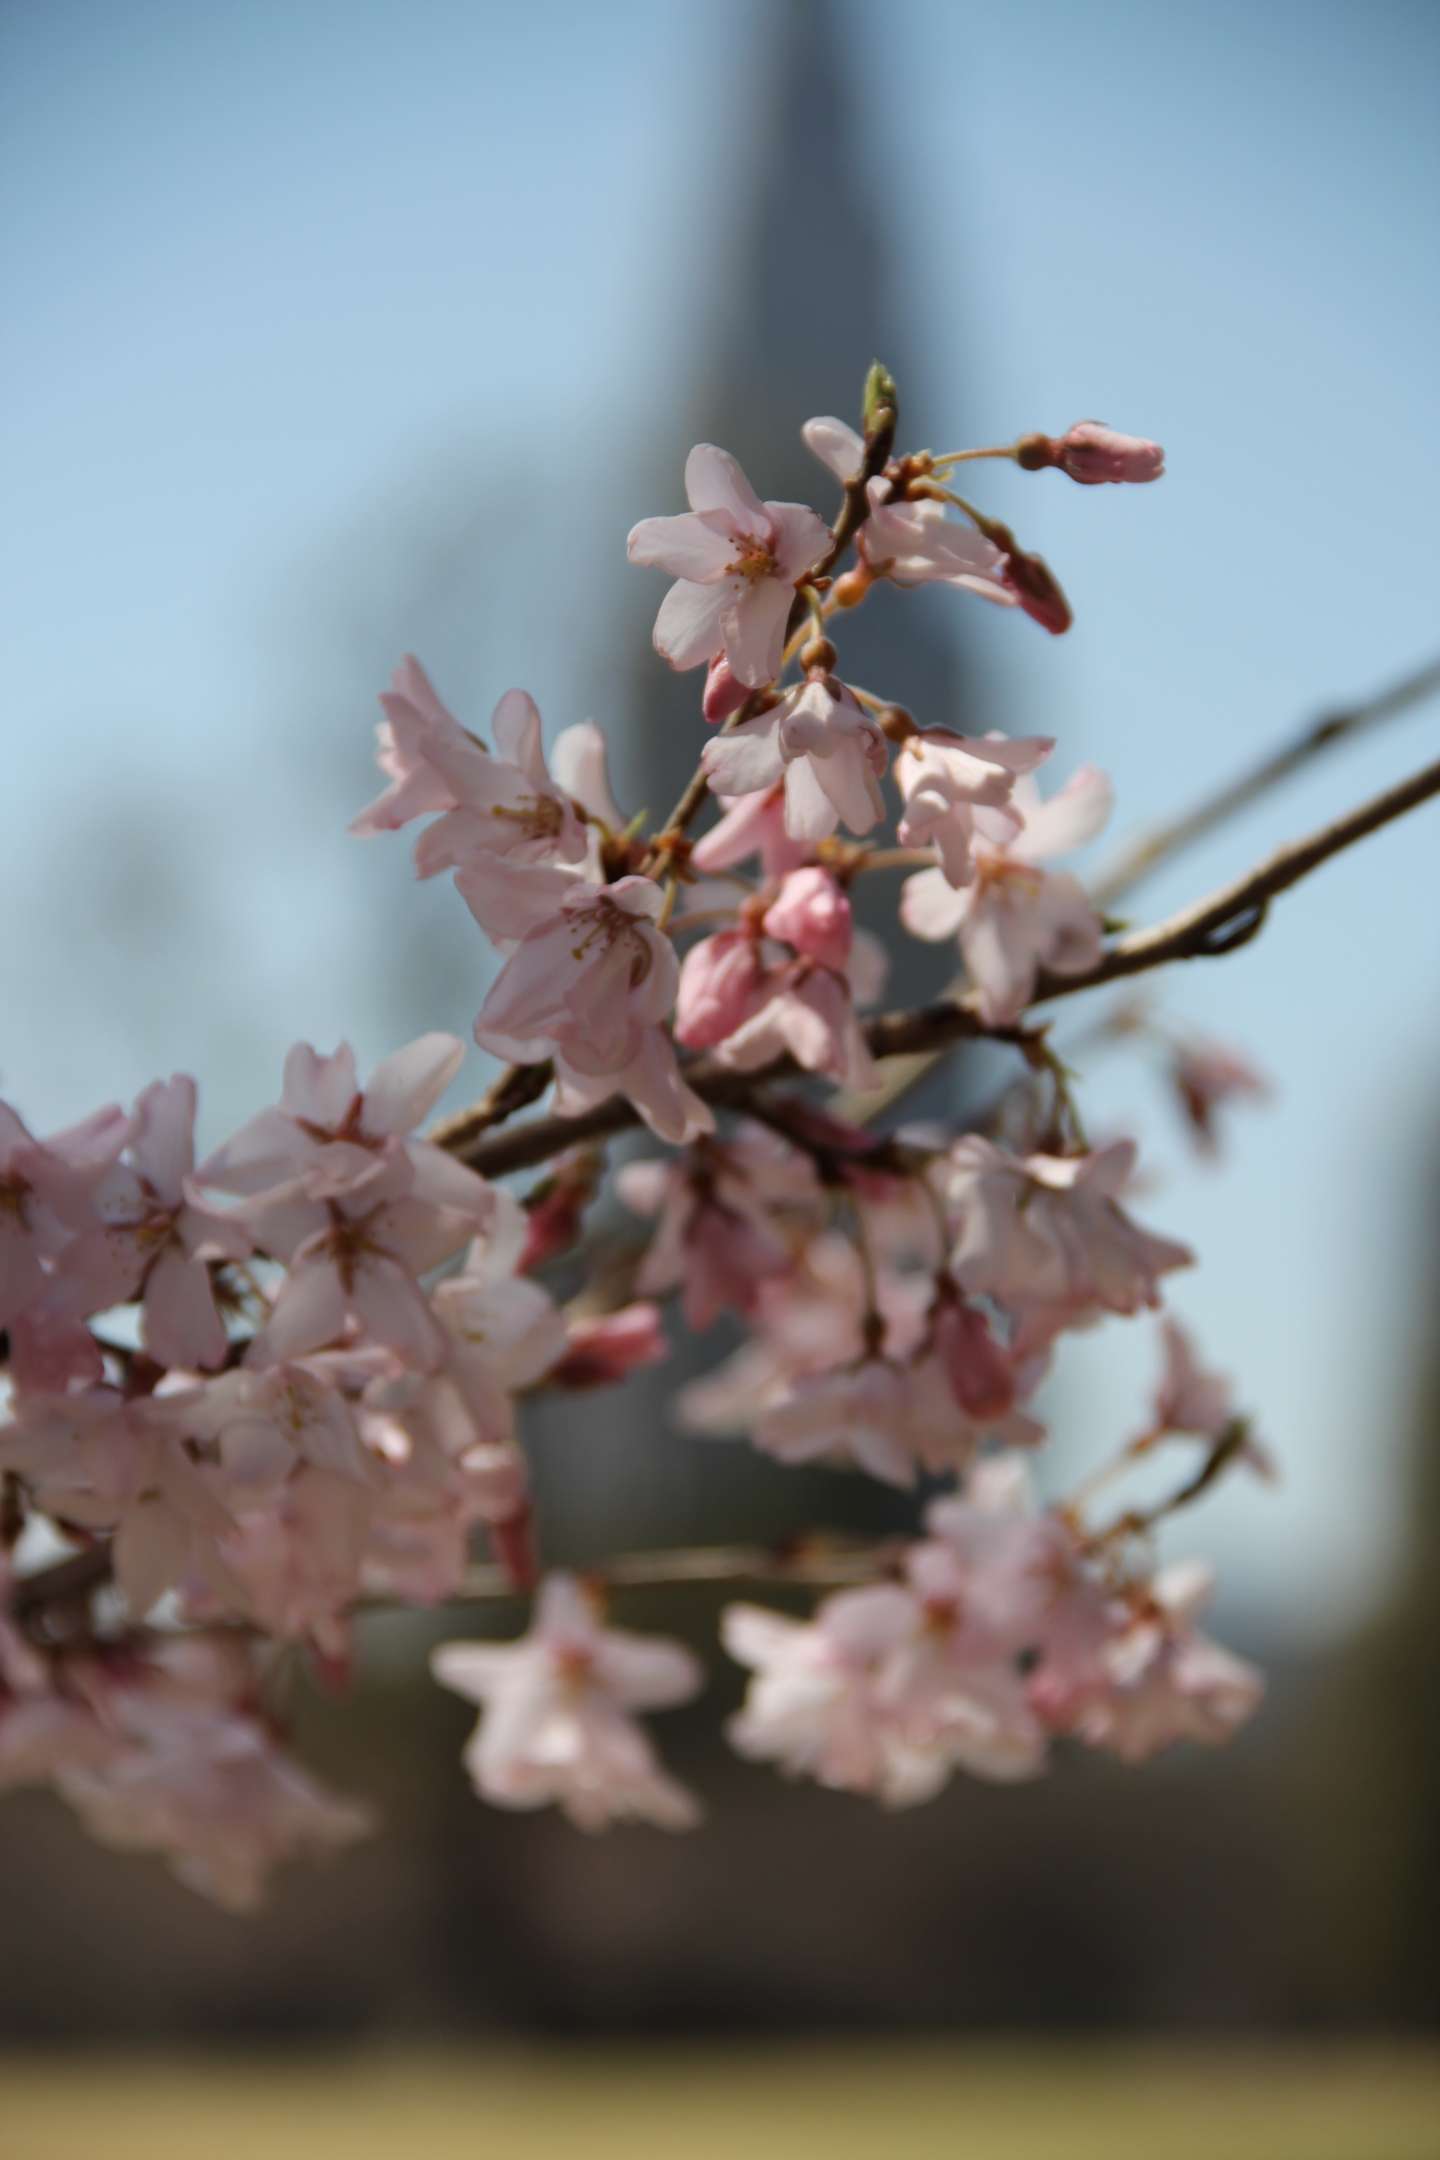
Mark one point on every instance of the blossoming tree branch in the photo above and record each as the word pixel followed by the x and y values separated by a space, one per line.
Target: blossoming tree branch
pixel 252 1396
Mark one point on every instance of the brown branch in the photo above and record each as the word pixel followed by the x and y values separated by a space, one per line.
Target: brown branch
pixel 1150 849
pixel 1208 929
pixel 818 1562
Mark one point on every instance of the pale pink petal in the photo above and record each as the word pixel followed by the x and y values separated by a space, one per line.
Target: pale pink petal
pixel 698 549
pixel 714 481
pixel 318 1089
pixel 931 907
pixel 406 1086
pixel 1070 818
pixel 308 1314
pixel 581 766
pixel 801 539
pixel 162 1146
pixel 754 630
pixel 747 760
pixel 180 1325
pixel 836 445
pixel 515 725
pixel 688 627
pixel 810 812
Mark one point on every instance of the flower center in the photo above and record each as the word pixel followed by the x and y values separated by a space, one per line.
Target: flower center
pixel 754 559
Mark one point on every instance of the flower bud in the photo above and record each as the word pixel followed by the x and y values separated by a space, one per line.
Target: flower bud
pixel 723 696
pixel 606 1349
pixel 1030 578
pixel 975 1365
pixel 719 983
pixel 1092 453
pixel 813 915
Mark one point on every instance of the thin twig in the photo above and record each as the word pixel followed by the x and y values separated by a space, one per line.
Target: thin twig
pixel 817 1561
pixel 1164 841
pixel 1207 929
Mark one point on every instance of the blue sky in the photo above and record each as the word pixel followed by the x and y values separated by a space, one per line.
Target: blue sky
pixel 280 278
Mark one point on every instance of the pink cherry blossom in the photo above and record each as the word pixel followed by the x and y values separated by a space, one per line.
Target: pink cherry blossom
pixel 353 1258
pixel 1014 918
pixel 805 1012
pixel 752 825
pixel 946 778
pixel 155 1236
pixel 652 1081
pixel 1190 1399
pixel 1049 1230
pixel 504 805
pixel 1167 1680
pixel 46 1190
pixel 720 1232
pixel 816 1705
pixel 829 754
pixel 915 543
pixel 331 1132
pixel 586 981
pixel 737 562
pixel 208 1788
pixel 557 1724
pixel 1206 1076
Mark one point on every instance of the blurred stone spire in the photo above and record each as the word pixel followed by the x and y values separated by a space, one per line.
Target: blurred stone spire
pixel 804 301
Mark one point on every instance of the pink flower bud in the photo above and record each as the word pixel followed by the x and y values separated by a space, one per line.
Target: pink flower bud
pixel 513 1544
pixel 1038 591
pixel 719 984
pixel 813 914
pixel 723 694
pixel 975 1365
pixel 605 1350
pixel 1092 453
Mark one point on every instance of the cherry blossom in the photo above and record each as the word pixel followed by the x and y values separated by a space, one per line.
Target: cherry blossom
pixel 737 562
pixel 828 753
pixel 1049 1230
pixel 154 1233
pixel 557 1724
pixel 720 1234
pixel 753 824
pixel 1205 1076
pixel 1167 1680
pixel 1190 1399
pixel 46 1190
pixel 946 778
pixel 1014 918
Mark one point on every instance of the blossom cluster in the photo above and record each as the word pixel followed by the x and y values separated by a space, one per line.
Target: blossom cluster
pixel 256 1389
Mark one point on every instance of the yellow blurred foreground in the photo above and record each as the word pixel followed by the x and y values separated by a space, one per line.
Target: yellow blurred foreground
pixel 860 2102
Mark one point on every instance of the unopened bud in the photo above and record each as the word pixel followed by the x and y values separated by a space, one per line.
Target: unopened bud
pixel 880 405
pixel 1092 454
pixel 1030 578
pixel 851 589
pixel 724 695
